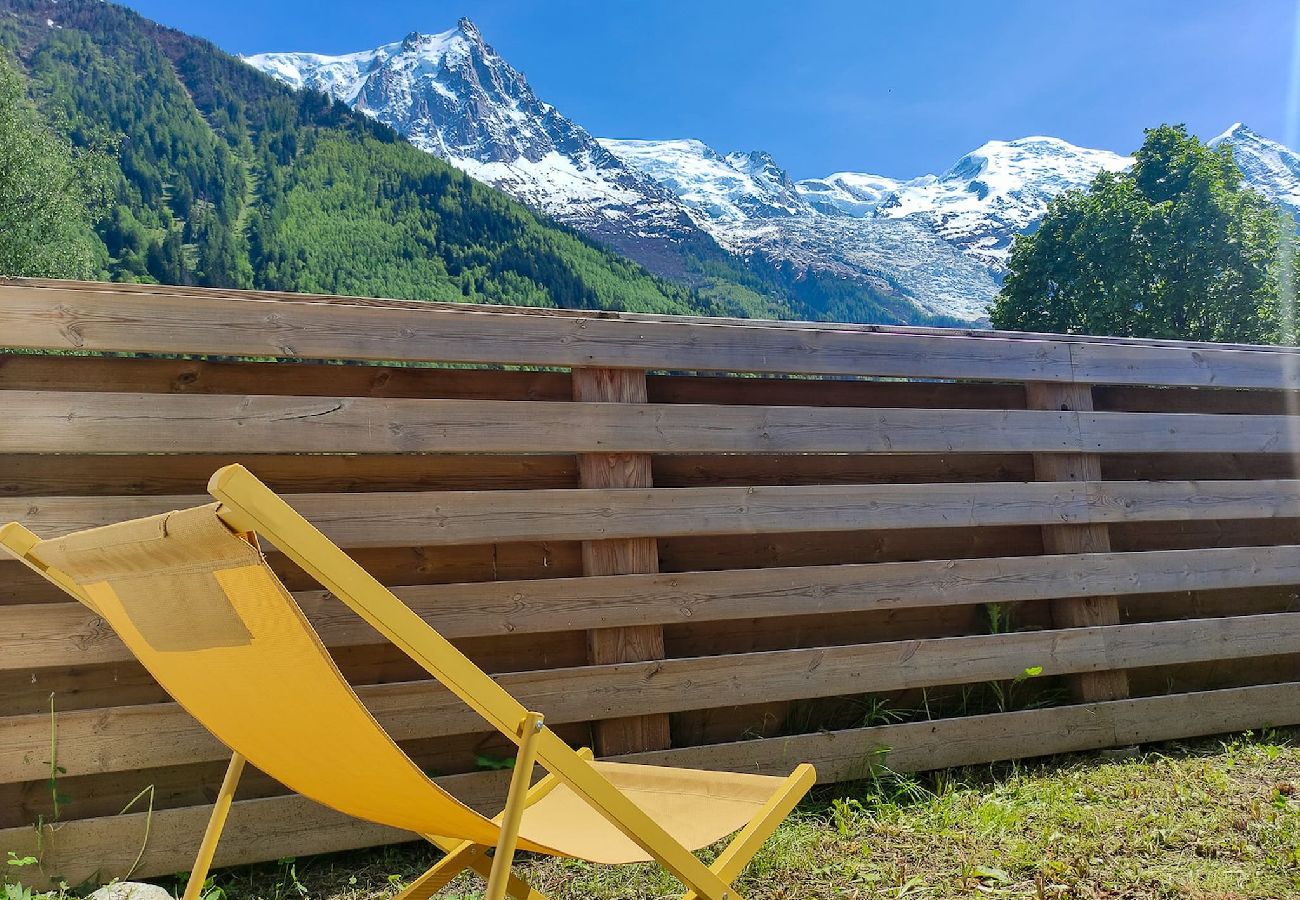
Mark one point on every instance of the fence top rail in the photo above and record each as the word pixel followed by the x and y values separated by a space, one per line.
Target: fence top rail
pixel 166 290
pixel 110 318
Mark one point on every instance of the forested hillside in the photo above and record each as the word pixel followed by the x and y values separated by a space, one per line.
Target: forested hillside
pixel 221 176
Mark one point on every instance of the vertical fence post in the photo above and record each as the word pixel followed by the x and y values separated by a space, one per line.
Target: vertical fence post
pixel 1077 612
pixel 632 556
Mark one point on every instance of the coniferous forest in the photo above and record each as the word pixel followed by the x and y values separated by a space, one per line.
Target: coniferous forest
pixel 216 175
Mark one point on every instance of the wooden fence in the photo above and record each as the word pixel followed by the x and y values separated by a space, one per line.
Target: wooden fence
pixel 918 547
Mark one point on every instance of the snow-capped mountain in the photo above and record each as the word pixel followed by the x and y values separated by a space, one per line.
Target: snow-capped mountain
pixel 854 194
pixel 937 242
pixel 735 188
pixel 453 95
pixel 750 206
pixel 1270 168
pixel 997 191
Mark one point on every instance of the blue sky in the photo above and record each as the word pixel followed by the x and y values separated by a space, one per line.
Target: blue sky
pixel 898 88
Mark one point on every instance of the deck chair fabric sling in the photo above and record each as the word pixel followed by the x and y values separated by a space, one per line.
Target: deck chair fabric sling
pixel 191 595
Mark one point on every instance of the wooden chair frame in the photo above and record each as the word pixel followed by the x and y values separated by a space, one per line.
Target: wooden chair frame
pixel 247 506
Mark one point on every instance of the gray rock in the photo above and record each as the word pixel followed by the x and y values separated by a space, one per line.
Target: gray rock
pixel 131 890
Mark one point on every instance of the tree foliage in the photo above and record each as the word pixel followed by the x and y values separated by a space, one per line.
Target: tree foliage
pixel 1175 247
pixel 46 194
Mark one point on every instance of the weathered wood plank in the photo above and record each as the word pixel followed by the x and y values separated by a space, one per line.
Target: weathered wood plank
pixel 35 475
pixel 198 376
pixel 436 518
pixel 77 849
pixel 697 470
pixel 944 743
pixel 460 306
pixel 89 422
pixel 1097 609
pixel 58 634
pixel 620 389
pixel 126 738
pixel 308 379
pixel 104 319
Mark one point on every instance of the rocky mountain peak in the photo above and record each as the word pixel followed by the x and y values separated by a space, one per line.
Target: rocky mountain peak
pixel 1270 167
pixel 452 95
pixel 938 241
pixel 469 29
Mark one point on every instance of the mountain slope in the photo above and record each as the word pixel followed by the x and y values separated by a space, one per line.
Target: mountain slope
pixel 854 194
pixel 997 191
pixel 453 95
pixel 753 209
pixel 226 177
pixel 936 243
pixel 1271 168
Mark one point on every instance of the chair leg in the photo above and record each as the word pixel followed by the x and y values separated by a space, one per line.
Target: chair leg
pixel 216 822
pixel 749 839
pixel 459 857
pixel 463 855
pixel 516 801
pixel 516 887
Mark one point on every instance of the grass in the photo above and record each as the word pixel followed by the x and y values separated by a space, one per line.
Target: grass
pixel 1216 818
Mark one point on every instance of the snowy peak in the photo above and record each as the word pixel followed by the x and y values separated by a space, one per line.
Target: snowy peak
pixel 998 190
pixel 939 242
pixel 1271 168
pixel 449 93
pixel 855 194
pixel 749 204
pixel 732 188
pixel 345 77
pixel 453 95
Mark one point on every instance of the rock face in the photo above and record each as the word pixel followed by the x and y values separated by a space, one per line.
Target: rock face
pixel 938 242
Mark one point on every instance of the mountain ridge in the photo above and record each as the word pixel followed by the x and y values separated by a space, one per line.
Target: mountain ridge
pixel 939 241
pixel 451 94
pixel 223 176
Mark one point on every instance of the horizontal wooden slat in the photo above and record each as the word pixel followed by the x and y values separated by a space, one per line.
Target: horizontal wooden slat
pixel 100 318
pixel 308 379
pixel 945 743
pixel 202 376
pixel 82 422
pixel 110 845
pixel 235 293
pixel 699 470
pixel 1138 398
pixel 58 634
pixel 471 517
pixel 28 474
pixel 128 738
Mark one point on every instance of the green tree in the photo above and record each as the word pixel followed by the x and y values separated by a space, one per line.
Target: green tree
pixel 46 194
pixel 1175 247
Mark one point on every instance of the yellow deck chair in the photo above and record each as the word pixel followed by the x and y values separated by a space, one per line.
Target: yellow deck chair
pixel 191 595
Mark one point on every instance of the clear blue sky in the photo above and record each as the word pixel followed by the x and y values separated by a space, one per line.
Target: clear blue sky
pixel 899 88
